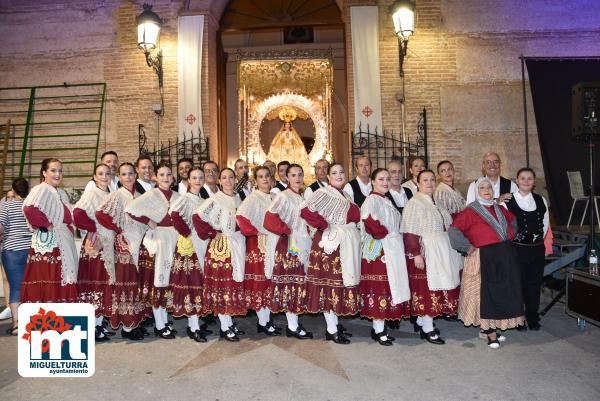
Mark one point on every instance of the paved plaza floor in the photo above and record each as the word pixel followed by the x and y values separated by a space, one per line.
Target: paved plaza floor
pixel 559 362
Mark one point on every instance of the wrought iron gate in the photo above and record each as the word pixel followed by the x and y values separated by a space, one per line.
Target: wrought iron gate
pixel 381 148
pixel 192 147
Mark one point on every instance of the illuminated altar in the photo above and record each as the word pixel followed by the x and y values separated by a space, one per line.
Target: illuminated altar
pixel 298 85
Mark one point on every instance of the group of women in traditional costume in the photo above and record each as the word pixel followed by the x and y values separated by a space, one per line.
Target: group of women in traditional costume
pixel 145 256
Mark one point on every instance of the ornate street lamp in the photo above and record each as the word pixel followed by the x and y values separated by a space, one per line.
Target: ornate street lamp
pixel 403 16
pixel 149 24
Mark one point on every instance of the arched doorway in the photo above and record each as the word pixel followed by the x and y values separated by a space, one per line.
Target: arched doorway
pixel 271 29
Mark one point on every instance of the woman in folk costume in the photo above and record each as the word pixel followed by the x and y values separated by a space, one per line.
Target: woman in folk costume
pixel 531 212
pixel 96 274
pixel 186 273
pixel 51 270
pixel 152 209
pixel 433 266
pixel 384 280
pixel 490 294
pixel 127 309
pixel 250 218
pixel 223 290
pixel 445 195
pixel 334 266
pixel 415 166
pixel 288 249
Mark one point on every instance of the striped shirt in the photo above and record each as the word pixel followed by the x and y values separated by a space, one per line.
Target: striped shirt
pixel 17 235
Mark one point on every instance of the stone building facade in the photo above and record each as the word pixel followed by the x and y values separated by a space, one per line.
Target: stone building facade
pixel 462 65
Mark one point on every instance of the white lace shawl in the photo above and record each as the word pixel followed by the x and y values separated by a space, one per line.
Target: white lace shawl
pixel 421 216
pixel 89 203
pixel 186 205
pixel 219 211
pixel 381 209
pixel 254 208
pixel 50 201
pixel 331 204
pixel 153 205
pixel 287 205
pixel 449 198
pixel 114 206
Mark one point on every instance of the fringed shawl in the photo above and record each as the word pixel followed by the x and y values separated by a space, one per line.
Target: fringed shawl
pixel 51 201
pixel 89 203
pixel 449 198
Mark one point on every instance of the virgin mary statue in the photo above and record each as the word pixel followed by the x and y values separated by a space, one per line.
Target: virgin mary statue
pixel 287 144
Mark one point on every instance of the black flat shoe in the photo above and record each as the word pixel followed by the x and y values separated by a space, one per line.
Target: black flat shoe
pixel 229 335
pixel 265 329
pixel 204 329
pixel 197 335
pixel 107 332
pixel 237 331
pixel 165 333
pixel 343 331
pixel 535 326
pixel 429 337
pixel 522 328
pixel 134 335
pixel 337 338
pixel 377 337
pixel 418 328
pixel 100 337
pixel 169 325
pixel 143 331
pixel 297 333
pixel 272 323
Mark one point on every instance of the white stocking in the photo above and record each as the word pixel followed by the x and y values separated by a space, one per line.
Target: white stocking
pixel 159 321
pixel 263 316
pixel 427 324
pixel 292 321
pixel 193 323
pixel 332 322
pixel 378 325
pixel 226 322
pixel 99 320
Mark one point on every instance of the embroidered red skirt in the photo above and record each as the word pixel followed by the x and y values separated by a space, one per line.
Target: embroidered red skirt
pixel 425 302
pixel 93 283
pixel 375 296
pixel 325 289
pixel 221 294
pixel 185 284
pixel 257 288
pixel 288 282
pixel 127 308
pixel 42 279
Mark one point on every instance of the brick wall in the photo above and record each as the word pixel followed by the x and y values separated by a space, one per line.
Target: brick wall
pixel 462 65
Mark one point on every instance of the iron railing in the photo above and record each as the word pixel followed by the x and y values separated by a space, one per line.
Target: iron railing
pixel 381 148
pixel 194 147
pixel 62 121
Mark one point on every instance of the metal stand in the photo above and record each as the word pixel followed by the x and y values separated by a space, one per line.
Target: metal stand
pixel 592 242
